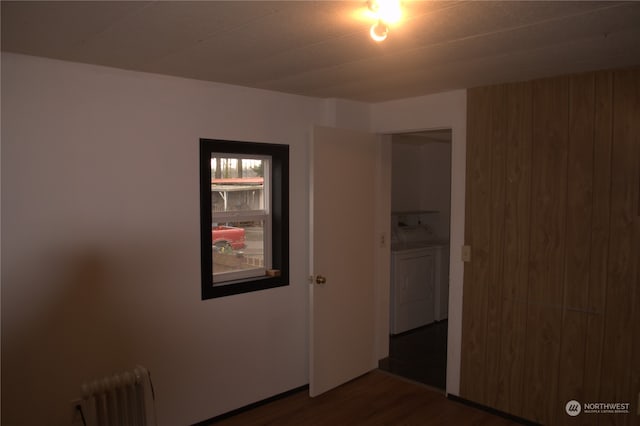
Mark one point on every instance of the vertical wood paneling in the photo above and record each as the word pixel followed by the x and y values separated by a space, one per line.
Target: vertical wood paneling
pixel 472 368
pixel 547 250
pixel 623 263
pixel 603 121
pixel 634 390
pixel 552 295
pixel 496 243
pixel 516 248
pixel 616 360
pixel 577 242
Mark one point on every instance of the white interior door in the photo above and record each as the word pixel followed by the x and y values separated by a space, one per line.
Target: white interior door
pixel 342 323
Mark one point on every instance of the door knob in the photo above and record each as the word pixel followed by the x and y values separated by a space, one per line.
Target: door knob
pixel 321 280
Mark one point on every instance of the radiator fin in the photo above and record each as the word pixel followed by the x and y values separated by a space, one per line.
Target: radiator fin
pixel 124 399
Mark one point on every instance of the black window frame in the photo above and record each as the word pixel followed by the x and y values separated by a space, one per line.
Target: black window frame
pixel 279 202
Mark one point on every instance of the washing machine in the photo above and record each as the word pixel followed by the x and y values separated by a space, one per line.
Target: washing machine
pixel 419 278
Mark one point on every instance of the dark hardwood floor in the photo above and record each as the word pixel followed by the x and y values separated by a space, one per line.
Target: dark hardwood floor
pixel 420 355
pixel 377 398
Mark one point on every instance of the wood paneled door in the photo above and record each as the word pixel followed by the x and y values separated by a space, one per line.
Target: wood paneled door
pixel 551 307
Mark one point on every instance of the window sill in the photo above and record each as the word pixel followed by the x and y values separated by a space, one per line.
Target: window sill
pixel 228 288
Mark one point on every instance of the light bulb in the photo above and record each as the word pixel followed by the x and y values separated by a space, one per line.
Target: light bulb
pixel 388 11
pixel 379 31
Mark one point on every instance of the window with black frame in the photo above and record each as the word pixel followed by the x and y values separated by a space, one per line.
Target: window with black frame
pixel 244 216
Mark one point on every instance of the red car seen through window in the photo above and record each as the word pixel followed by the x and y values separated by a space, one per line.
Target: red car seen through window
pixel 228 237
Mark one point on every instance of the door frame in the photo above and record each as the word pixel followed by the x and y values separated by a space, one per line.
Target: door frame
pixel 389 140
pixel 440 111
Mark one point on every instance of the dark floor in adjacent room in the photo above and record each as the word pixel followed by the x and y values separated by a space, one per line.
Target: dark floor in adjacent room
pixel 420 355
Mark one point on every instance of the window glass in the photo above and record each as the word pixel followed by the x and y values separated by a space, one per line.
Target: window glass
pixel 239 212
pixel 238 247
pixel 237 184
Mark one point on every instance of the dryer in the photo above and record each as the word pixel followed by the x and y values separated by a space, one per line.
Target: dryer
pixel 419 278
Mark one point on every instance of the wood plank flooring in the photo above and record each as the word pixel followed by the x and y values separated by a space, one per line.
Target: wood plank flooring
pixel 376 398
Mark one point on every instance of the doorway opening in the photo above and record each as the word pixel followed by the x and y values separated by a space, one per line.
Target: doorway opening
pixel 420 233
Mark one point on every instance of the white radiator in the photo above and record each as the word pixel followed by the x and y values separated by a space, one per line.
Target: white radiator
pixel 124 399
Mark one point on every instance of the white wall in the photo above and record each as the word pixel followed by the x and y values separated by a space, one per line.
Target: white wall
pixel 406 168
pixel 100 215
pixel 347 114
pixel 420 180
pixel 436 174
pixel 436 189
pixel 444 110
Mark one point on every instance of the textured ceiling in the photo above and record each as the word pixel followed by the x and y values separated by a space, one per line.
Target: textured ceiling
pixel 322 48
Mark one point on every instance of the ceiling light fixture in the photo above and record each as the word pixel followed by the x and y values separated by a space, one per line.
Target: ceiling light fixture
pixel 388 10
pixel 373 6
pixel 385 12
pixel 379 31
